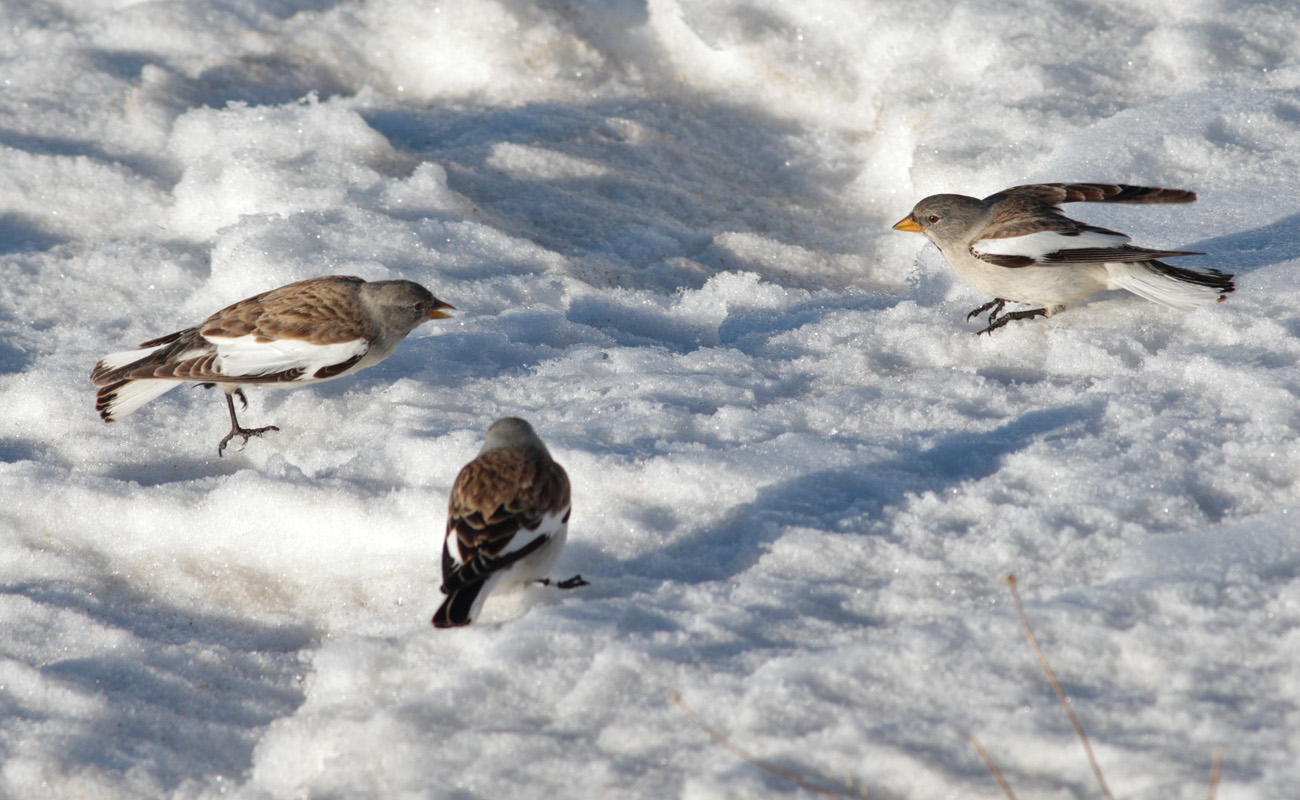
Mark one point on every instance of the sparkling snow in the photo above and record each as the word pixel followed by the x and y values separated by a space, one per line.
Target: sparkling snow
pixel 798 478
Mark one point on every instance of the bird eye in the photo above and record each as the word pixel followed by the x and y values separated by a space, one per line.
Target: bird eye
pixel 934 218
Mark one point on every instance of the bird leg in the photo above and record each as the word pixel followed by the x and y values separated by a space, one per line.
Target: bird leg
pixel 235 429
pixel 1014 315
pixel 569 583
pixel 995 304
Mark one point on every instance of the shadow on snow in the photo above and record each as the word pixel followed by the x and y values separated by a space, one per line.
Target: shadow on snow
pixel 181 694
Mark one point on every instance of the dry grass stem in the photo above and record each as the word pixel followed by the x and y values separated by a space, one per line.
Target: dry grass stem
pixel 1056 687
pixel 993 769
pixel 767 766
pixel 1215 767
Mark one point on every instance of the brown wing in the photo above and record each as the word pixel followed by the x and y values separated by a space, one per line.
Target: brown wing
pixel 1020 216
pixel 500 493
pixel 1025 210
pixel 320 310
pixel 1032 208
pixel 1054 194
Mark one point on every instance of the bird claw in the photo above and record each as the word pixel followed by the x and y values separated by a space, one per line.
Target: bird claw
pixel 568 583
pixel 246 433
pixel 994 324
pixel 995 304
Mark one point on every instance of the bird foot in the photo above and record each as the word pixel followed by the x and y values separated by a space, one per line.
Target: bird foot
pixel 246 433
pixel 994 324
pixel 568 583
pixel 995 304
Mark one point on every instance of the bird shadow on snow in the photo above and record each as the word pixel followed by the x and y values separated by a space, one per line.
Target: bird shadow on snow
pixel 834 500
pixel 1245 251
pixel 181 694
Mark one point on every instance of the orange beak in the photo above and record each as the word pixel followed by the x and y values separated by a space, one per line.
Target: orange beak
pixel 437 311
pixel 907 224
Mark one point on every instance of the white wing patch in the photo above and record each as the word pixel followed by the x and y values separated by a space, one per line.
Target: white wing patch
pixel 1043 243
pixel 245 356
pixel 551 525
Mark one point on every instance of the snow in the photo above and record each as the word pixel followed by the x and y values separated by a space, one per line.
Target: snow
pixel 798 478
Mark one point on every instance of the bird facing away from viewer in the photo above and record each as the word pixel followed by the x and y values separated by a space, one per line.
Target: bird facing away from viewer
pixel 306 332
pixel 1016 245
pixel 507 521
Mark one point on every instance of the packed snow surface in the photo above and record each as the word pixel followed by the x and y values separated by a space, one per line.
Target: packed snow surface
pixel 799 480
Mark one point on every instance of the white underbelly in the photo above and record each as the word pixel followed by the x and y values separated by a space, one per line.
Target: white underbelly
pixel 1045 286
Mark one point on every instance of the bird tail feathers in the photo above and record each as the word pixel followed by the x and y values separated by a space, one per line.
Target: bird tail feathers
pixel 103 374
pixel 461 606
pixel 117 400
pixel 1179 288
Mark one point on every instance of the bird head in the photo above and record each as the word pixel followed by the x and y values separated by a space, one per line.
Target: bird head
pixel 944 218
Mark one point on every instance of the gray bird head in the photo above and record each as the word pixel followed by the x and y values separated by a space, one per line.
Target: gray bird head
pixel 512 432
pixel 399 306
pixel 945 219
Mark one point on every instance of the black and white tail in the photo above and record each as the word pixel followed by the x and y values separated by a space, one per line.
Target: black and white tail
pixel 120 395
pixel 1179 288
pixel 461 606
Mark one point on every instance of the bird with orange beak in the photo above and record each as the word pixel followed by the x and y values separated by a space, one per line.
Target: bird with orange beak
pixel 1016 245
